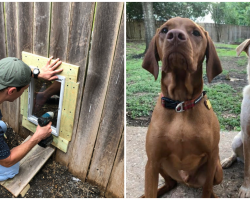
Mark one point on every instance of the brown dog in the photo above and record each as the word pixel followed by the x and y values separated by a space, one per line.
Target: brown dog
pixel 183 136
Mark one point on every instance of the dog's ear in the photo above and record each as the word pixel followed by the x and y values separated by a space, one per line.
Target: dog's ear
pixel 243 47
pixel 151 59
pixel 213 62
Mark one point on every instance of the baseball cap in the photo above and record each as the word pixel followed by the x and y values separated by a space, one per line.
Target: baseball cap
pixel 14 73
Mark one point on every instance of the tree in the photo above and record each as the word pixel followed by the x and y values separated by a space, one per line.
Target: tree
pixel 134 11
pixel 166 10
pixel 237 13
pixel 149 22
pixel 192 10
pixel 218 15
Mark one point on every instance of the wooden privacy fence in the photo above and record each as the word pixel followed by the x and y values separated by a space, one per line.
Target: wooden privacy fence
pixel 228 33
pixel 90 35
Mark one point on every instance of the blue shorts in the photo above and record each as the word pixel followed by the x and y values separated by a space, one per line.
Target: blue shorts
pixel 8 172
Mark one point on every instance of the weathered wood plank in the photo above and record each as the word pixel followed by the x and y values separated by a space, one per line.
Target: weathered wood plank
pixel 25 27
pixel 116 183
pixel 59 29
pixel 100 62
pixel 12 51
pixel 25 43
pixel 112 121
pixel 41 28
pixel 29 166
pixel 25 190
pixel 2 32
pixel 11 25
pixel 82 14
pixel 2 35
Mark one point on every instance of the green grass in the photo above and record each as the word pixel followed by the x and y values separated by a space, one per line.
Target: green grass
pixel 142 89
pixel 242 62
pixel 226 103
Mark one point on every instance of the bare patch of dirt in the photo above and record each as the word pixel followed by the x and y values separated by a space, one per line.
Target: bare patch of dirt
pixel 53 180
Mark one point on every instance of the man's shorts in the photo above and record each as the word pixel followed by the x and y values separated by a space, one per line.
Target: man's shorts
pixel 8 172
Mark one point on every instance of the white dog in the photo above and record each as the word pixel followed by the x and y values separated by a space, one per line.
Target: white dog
pixel 241 142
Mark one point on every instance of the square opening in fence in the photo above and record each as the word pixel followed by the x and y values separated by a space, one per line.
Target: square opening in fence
pixel 46 96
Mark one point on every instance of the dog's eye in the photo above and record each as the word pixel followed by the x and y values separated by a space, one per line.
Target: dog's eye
pixel 164 30
pixel 196 33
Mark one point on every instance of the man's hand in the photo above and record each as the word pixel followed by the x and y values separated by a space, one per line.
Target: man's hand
pixel 17 153
pixel 42 132
pixel 48 72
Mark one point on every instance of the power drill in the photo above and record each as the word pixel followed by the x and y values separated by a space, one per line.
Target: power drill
pixel 43 121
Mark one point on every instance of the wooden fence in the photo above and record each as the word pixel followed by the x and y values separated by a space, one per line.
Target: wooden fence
pixel 90 35
pixel 228 33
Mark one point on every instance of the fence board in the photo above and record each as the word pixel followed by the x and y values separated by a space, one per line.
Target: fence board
pixel 25 27
pixel 78 47
pixel 11 25
pixel 25 42
pixel 2 32
pixel 2 38
pixel 59 29
pixel 12 51
pixel 111 125
pixel 41 28
pixel 100 62
pixel 116 183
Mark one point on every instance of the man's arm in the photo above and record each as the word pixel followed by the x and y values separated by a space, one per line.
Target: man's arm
pixel 17 153
pixel 48 71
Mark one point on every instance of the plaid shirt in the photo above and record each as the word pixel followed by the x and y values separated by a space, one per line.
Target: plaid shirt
pixel 4 149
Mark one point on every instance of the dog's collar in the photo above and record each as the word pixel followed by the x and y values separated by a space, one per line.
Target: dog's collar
pixel 178 105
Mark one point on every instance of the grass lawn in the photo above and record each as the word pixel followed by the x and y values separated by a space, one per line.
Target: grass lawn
pixel 142 90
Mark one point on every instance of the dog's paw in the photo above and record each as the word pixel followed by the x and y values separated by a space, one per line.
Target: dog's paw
pixel 244 192
pixel 227 162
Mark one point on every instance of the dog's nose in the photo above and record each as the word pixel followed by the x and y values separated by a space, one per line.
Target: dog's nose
pixel 176 36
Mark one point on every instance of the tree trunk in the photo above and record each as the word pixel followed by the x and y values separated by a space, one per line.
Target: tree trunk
pixel 149 22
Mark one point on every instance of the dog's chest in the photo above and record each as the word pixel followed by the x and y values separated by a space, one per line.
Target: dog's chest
pixel 186 136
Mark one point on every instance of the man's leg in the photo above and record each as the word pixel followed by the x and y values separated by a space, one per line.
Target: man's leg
pixel 8 172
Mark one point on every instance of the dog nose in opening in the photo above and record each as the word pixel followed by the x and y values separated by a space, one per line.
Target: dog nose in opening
pixel 175 35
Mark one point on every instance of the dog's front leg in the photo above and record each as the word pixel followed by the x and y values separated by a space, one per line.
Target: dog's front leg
pixel 244 191
pixel 207 191
pixel 151 179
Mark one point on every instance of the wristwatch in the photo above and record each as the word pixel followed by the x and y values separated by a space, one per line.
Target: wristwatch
pixel 36 72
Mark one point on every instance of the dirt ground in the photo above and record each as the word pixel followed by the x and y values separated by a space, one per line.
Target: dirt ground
pixel 52 181
pixel 136 160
